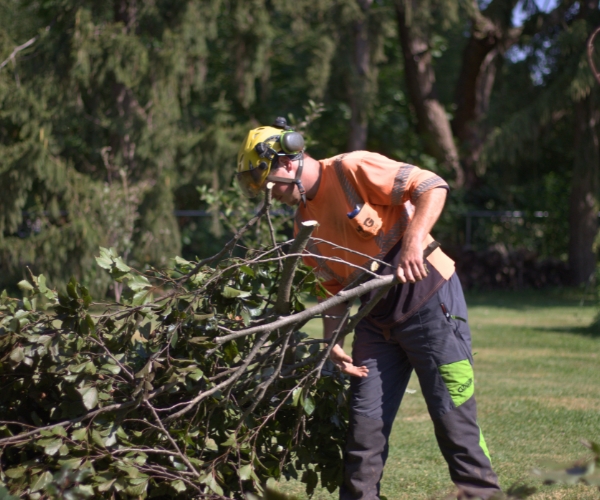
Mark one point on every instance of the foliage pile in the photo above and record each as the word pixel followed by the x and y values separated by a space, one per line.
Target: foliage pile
pixel 198 383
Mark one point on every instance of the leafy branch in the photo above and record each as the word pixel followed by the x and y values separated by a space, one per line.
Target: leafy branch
pixel 198 383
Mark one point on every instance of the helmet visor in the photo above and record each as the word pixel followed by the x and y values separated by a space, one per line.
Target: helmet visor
pixel 252 181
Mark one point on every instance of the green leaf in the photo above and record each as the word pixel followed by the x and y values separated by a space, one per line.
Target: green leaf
pixel 246 472
pixel 174 339
pixel 181 262
pixel 112 369
pixel 137 489
pixel 230 441
pixel 104 260
pixel 138 282
pixel 210 444
pixel 80 491
pixel 89 396
pixel 196 375
pixel 248 270
pixel 309 405
pixel 90 368
pixel 211 482
pixel 16 472
pixel 296 395
pixel 121 266
pixel 232 293
pixel 17 355
pixel 144 371
pixel 52 447
pixel 25 285
pixel 43 480
pixel 59 430
pixel 131 471
pixel 72 288
pixel 97 438
pixel 178 486
pixel 141 297
pixel 79 434
pixel 77 368
pixel 103 487
pixel 5 495
pixel 42 283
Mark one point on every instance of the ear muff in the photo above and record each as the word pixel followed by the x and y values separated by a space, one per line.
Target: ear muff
pixel 291 142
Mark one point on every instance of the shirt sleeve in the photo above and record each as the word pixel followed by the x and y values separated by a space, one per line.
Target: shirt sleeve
pixel 383 181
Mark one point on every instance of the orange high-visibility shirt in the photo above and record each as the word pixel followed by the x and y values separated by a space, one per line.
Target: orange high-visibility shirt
pixel 380 194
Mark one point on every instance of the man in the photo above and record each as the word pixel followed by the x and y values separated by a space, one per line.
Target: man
pixel 370 207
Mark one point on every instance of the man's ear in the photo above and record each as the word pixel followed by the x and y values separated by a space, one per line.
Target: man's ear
pixel 285 162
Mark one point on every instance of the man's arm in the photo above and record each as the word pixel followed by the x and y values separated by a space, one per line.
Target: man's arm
pixel 428 208
pixel 331 320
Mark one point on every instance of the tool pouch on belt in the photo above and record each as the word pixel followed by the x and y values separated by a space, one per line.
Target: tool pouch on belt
pixel 365 220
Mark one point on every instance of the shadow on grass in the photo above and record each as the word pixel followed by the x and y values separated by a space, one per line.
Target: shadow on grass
pixel 526 299
pixel 592 331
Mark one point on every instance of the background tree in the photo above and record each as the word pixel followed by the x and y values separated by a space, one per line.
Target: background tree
pixel 112 115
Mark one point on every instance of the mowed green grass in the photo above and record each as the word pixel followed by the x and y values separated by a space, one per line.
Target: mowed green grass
pixel 537 367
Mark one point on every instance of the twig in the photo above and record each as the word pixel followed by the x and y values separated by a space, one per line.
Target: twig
pixel 590 54
pixel 269 198
pixel 167 434
pixel 28 43
pixel 190 404
pixel 282 305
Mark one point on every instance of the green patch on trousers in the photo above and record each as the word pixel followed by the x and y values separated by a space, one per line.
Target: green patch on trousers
pixel 483 446
pixel 459 380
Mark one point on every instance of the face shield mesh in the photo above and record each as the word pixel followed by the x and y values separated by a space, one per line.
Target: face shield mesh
pixel 251 181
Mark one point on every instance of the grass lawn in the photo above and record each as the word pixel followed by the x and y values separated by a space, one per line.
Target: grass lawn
pixel 537 367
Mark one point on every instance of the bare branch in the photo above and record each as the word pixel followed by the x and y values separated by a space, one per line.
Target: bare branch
pixel 590 54
pixel 340 298
pixel 167 434
pixel 287 276
pixel 18 49
pixel 28 43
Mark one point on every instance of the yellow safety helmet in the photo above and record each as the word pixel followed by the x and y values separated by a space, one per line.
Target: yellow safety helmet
pixel 259 150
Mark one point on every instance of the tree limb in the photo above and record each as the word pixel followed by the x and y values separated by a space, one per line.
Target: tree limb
pixel 282 305
pixel 590 54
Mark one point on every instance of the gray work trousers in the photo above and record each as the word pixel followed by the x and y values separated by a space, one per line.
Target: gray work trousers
pixel 438 348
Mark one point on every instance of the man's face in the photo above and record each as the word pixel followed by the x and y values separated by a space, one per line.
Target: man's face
pixel 283 192
pixel 286 193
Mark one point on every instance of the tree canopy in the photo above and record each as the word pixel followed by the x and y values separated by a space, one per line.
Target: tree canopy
pixel 112 114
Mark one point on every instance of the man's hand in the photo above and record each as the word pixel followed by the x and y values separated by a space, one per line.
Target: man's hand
pixel 428 208
pixel 412 267
pixel 341 359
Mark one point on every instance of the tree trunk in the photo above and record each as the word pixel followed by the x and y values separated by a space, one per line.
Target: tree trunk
pixel 122 141
pixel 491 35
pixel 583 202
pixel 360 84
pixel 432 122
